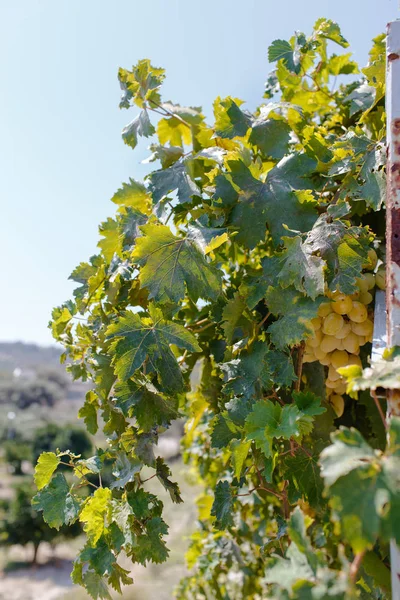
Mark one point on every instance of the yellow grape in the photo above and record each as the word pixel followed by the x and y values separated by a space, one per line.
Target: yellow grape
pixel 366 298
pixel 326 361
pixel 339 344
pixel 354 360
pixel 344 332
pixel 331 384
pixel 332 324
pixel 316 323
pixel 339 358
pixel 362 284
pixel 342 304
pixel 328 343
pixel 370 279
pixel 340 388
pixel 337 403
pixel 362 340
pixel 358 313
pixel 351 343
pixel 365 328
pixel 320 354
pixel 315 340
pixel 372 260
pixel 333 375
pixel 324 309
pixel 380 278
pixel 309 357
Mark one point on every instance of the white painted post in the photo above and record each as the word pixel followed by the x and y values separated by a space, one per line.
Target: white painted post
pixel 393 234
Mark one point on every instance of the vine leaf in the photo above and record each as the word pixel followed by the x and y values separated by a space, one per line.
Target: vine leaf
pixel 343 248
pixel 240 450
pixel 140 126
pixel 163 473
pixel 297 312
pixel 56 502
pixel 133 195
pixel 141 400
pixel 245 376
pixel 230 120
pixel 269 420
pixel 301 268
pixel 95 586
pixel 222 506
pixel 169 263
pixel 372 507
pixel 136 339
pixel 174 178
pixel 282 50
pixel 271 136
pixel 232 313
pixel 94 513
pixel 45 467
pixel 272 201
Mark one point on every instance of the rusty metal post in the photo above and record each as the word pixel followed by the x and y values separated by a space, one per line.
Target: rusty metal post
pixel 393 233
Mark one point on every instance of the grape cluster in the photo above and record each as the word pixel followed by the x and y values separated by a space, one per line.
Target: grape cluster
pixel 344 324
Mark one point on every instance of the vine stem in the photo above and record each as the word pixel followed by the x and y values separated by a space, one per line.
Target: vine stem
pixel 379 407
pixel 261 323
pixel 299 366
pixel 170 113
pixel 355 565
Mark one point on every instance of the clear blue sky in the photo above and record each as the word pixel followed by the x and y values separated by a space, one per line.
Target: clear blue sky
pixel 61 153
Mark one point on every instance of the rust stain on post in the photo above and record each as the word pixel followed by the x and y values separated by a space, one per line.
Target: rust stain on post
pixel 393 201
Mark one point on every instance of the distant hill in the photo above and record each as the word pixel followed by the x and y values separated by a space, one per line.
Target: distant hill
pixel 27 356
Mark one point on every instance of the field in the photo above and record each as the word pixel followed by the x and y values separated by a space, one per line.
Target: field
pixel 50 579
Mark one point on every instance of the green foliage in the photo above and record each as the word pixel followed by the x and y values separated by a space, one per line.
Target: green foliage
pixel 50 437
pixel 198 303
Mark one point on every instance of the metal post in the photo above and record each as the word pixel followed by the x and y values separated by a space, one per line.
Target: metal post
pixel 393 234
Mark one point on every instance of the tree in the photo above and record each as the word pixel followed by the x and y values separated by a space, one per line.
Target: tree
pixel 232 287
pixel 15 452
pixel 21 524
pixel 25 394
pixel 52 436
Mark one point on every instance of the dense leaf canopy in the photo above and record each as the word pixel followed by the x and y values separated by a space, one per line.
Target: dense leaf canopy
pixel 208 281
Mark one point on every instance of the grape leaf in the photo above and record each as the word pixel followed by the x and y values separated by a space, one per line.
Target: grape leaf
pixel 58 505
pixel 140 126
pixel 94 514
pixel 222 505
pixel 141 400
pixel 240 450
pixel 247 375
pixel 174 178
pixel 100 556
pixel 271 136
pixel 163 473
pixel 272 202
pixel 268 420
pixel 282 50
pixel 230 120
pixel 343 249
pixel 169 264
pixel 136 339
pixel 297 312
pixel 96 586
pixel 371 508
pixel 383 373
pixel 231 315
pixel 46 465
pixel 133 195
pixel 301 268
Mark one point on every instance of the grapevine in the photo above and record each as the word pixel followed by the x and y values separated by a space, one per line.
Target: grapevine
pixel 234 288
